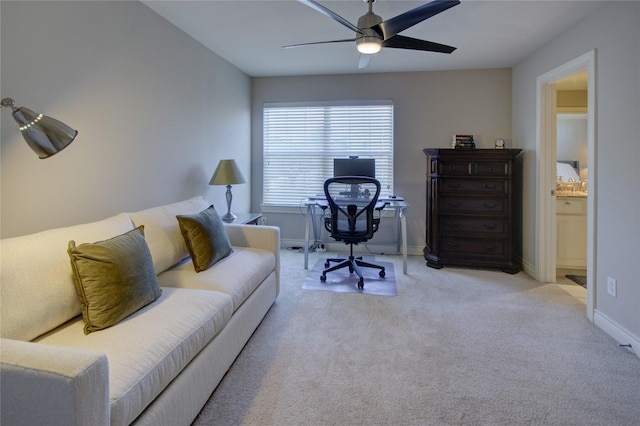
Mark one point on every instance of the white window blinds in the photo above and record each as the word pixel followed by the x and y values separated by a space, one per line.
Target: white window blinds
pixel 301 141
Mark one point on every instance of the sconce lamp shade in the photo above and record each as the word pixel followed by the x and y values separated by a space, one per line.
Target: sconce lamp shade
pixel 46 136
pixel 227 173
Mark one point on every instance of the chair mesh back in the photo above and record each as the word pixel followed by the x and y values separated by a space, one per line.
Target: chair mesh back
pixel 352 202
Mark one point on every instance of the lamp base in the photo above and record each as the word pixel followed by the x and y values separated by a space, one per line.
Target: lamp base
pixel 229 217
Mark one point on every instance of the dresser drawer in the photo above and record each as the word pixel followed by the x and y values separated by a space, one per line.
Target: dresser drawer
pixel 454 168
pixel 491 168
pixel 481 225
pixel 486 186
pixel 473 246
pixel 452 204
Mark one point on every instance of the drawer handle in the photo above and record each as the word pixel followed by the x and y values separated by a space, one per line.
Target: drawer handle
pixel 454 185
pixel 490 206
pixel 454 205
pixel 454 224
pixel 490 248
pixel 454 245
pixel 567 203
pixel 453 168
pixel 494 226
pixel 487 186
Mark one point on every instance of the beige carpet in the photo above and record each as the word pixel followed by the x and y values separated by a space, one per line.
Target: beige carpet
pixel 455 347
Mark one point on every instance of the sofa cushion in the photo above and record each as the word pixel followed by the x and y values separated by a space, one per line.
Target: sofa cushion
pixel 114 278
pixel 162 232
pixel 36 275
pixel 205 237
pixel 237 275
pixel 148 349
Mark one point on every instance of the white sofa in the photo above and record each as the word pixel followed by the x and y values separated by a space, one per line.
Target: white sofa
pixel 156 367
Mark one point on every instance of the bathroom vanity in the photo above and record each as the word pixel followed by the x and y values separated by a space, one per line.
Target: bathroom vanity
pixel 571 222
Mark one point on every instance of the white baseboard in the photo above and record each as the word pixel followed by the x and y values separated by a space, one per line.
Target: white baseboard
pixel 529 269
pixel 620 334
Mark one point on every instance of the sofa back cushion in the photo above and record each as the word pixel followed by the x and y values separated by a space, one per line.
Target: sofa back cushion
pixel 162 232
pixel 38 292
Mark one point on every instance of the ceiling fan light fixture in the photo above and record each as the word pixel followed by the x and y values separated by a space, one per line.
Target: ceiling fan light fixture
pixel 368 45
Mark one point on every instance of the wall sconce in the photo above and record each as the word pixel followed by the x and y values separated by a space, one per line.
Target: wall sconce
pixel 46 136
pixel 227 173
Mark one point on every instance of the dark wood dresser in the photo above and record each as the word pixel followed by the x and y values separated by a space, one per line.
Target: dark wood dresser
pixel 474 208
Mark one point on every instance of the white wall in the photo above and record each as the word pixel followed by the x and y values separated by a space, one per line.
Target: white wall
pixel 614 32
pixel 572 141
pixel 430 107
pixel 155 111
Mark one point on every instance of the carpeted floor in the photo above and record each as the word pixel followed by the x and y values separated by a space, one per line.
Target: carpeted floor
pixel 455 347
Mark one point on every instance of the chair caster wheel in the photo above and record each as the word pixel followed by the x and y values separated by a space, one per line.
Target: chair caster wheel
pixel 382 273
pixel 360 284
pixel 327 264
pixel 323 278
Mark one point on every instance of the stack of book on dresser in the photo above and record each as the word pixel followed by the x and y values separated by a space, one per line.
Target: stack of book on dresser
pixel 463 142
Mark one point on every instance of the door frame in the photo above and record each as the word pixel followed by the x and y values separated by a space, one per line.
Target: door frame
pixel 546 149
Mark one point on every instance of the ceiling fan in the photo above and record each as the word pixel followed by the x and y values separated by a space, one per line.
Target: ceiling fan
pixel 372 33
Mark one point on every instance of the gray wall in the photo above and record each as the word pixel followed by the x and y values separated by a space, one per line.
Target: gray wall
pixel 614 32
pixel 430 107
pixel 155 111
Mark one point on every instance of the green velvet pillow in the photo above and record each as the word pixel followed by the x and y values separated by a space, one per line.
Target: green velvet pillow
pixel 114 278
pixel 205 237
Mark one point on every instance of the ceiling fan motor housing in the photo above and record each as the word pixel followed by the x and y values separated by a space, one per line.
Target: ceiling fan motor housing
pixel 371 42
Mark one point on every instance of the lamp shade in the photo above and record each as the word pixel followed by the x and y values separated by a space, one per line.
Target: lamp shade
pixel 46 136
pixel 227 173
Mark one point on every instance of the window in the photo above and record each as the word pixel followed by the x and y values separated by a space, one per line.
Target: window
pixel 301 141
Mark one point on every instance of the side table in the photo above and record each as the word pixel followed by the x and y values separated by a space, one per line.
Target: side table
pixel 247 218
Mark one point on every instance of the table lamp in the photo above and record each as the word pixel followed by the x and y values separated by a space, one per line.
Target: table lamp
pixel 46 136
pixel 227 173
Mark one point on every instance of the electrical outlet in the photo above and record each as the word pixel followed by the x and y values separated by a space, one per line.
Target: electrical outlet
pixel 612 285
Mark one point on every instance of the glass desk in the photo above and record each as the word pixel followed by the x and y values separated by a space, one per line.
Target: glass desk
pixel 397 204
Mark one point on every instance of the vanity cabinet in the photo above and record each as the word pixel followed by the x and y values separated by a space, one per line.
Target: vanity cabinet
pixel 571 236
pixel 473 208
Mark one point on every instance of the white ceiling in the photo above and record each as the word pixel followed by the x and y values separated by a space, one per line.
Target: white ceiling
pixel 488 34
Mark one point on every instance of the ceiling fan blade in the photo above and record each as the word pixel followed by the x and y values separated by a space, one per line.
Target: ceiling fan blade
pixel 363 62
pixel 331 14
pixel 318 42
pixel 402 42
pixel 393 26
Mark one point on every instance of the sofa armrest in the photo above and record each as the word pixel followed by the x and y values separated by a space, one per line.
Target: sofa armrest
pixel 43 384
pixel 257 236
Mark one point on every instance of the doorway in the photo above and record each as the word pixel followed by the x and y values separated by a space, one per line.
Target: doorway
pixel 546 160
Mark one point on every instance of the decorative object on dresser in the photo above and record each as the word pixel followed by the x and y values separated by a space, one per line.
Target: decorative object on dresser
pixel 474 208
pixel 463 142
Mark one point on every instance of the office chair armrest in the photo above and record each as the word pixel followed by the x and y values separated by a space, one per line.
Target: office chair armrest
pixel 381 205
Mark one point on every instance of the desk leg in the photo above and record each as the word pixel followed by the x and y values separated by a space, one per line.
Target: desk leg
pixel 306 237
pixel 403 220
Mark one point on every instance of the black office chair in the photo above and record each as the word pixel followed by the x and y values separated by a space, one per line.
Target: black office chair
pixel 352 202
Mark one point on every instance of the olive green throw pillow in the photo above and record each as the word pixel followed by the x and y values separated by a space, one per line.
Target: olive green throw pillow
pixel 114 278
pixel 205 238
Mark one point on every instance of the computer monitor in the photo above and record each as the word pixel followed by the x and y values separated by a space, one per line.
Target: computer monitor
pixel 354 167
